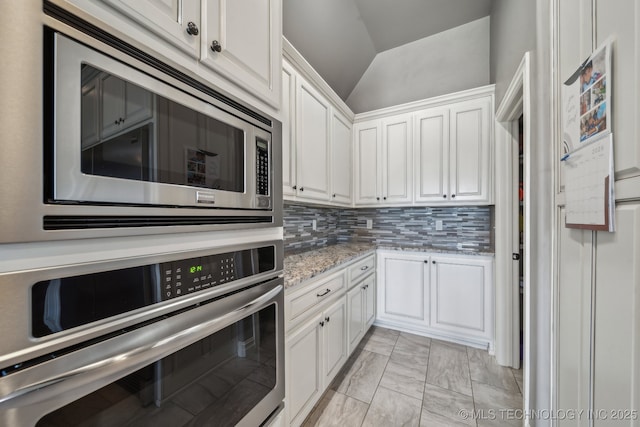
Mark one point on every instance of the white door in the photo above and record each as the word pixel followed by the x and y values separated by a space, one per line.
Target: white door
pixel 369 301
pixel 368 164
pixel 403 289
pixel 397 170
pixel 355 325
pixel 341 159
pixel 335 339
pixel 460 296
pixel 241 39
pixel 176 21
pixel 431 155
pixel 469 150
pixel 304 369
pixel 312 142
pixel 288 130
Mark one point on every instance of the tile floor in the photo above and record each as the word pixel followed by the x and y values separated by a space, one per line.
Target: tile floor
pixel 400 379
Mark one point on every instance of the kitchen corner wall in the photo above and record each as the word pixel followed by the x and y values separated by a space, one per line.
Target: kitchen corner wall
pixel 465 228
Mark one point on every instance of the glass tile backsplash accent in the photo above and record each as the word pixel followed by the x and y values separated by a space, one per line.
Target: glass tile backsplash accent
pixel 464 228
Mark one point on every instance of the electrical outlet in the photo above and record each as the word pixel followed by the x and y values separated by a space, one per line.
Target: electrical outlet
pixel 438 225
pixel 369 224
pixel 314 225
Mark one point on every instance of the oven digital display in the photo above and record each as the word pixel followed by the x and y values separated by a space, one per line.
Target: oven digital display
pixel 59 304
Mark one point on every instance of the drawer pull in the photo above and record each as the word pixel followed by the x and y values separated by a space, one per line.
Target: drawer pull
pixel 364 268
pixel 322 324
pixel 326 319
pixel 324 293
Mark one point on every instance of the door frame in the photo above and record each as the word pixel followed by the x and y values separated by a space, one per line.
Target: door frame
pixel 516 102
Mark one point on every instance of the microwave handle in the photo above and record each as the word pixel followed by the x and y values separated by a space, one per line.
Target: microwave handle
pixel 78 374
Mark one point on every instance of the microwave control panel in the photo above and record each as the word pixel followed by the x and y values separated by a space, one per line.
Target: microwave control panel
pixel 262 168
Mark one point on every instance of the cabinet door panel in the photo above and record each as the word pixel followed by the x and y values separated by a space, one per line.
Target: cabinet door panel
pixel 138 104
pixel 397 173
pixel 403 290
pixel 288 130
pixel 166 18
pixel 367 160
pixel 304 381
pixel 369 301
pixel 341 159
pixel 616 372
pixel 248 33
pixel 335 339
pixel 113 92
pixel 312 143
pixel 469 150
pixel 355 325
pixel 431 155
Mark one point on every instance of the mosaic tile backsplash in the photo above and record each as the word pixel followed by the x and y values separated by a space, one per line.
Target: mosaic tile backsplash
pixel 465 228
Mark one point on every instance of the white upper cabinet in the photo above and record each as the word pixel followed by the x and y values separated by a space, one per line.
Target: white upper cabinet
pixel 431 155
pixel 175 21
pixel 469 151
pixel 123 105
pixel 425 154
pixel 242 40
pixel 397 168
pixel 367 163
pixel 383 170
pixel 288 110
pixel 341 159
pixel 312 142
pixel 233 44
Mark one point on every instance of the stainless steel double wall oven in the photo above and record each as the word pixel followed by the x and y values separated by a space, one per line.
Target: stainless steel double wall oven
pixel 105 143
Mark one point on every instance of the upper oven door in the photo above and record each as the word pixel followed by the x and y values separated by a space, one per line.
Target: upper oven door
pixel 124 137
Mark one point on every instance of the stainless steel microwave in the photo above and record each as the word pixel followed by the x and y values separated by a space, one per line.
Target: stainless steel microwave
pixel 132 145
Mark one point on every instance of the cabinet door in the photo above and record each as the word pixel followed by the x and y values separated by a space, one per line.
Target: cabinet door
pixel 369 301
pixel 403 289
pixel 616 357
pixel 341 159
pixel 431 154
pixel 304 369
pixel 138 105
pixel 312 143
pixel 397 170
pixel 469 151
pixel 335 339
pixel 169 19
pixel 355 327
pixel 288 130
pixel 242 39
pixel 367 154
pixel 460 296
pixel 112 102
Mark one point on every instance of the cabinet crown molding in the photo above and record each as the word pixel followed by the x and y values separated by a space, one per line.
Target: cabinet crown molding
pixel 435 101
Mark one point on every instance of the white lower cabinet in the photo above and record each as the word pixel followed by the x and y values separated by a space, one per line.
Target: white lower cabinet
pixel 445 296
pixel 319 319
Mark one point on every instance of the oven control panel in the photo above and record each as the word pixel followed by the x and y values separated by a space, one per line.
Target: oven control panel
pixel 196 274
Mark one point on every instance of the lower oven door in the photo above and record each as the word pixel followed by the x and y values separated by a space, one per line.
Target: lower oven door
pixel 220 363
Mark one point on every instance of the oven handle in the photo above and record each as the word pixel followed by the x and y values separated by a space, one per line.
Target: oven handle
pixel 103 370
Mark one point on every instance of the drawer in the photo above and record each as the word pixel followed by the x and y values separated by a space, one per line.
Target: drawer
pixel 316 294
pixel 362 268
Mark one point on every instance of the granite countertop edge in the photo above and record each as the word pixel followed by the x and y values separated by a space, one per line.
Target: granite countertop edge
pixel 302 266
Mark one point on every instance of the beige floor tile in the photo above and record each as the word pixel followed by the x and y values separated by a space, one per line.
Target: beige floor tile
pixel 449 367
pixel 390 408
pixel 362 375
pixel 337 409
pixel 404 379
pixel 431 419
pixel 484 369
pixel 448 403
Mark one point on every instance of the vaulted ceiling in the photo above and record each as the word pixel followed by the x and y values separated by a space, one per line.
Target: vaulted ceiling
pixel 340 38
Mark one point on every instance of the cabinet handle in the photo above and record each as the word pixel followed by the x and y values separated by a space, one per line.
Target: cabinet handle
pixel 116 122
pixel 385 198
pixel 334 196
pixel 322 323
pixel 364 268
pixel 295 187
pixel 444 196
pixel 453 196
pixel 301 188
pixel 326 319
pixel 215 46
pixel 426 261
pixel 326 291
pixel 433 262
pixel 377 198
pixel 192 29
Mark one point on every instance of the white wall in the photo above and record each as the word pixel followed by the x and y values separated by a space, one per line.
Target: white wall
pixel 447 62
pixel 513 30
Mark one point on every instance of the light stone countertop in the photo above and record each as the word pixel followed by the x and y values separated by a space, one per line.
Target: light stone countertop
pixel 302 266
